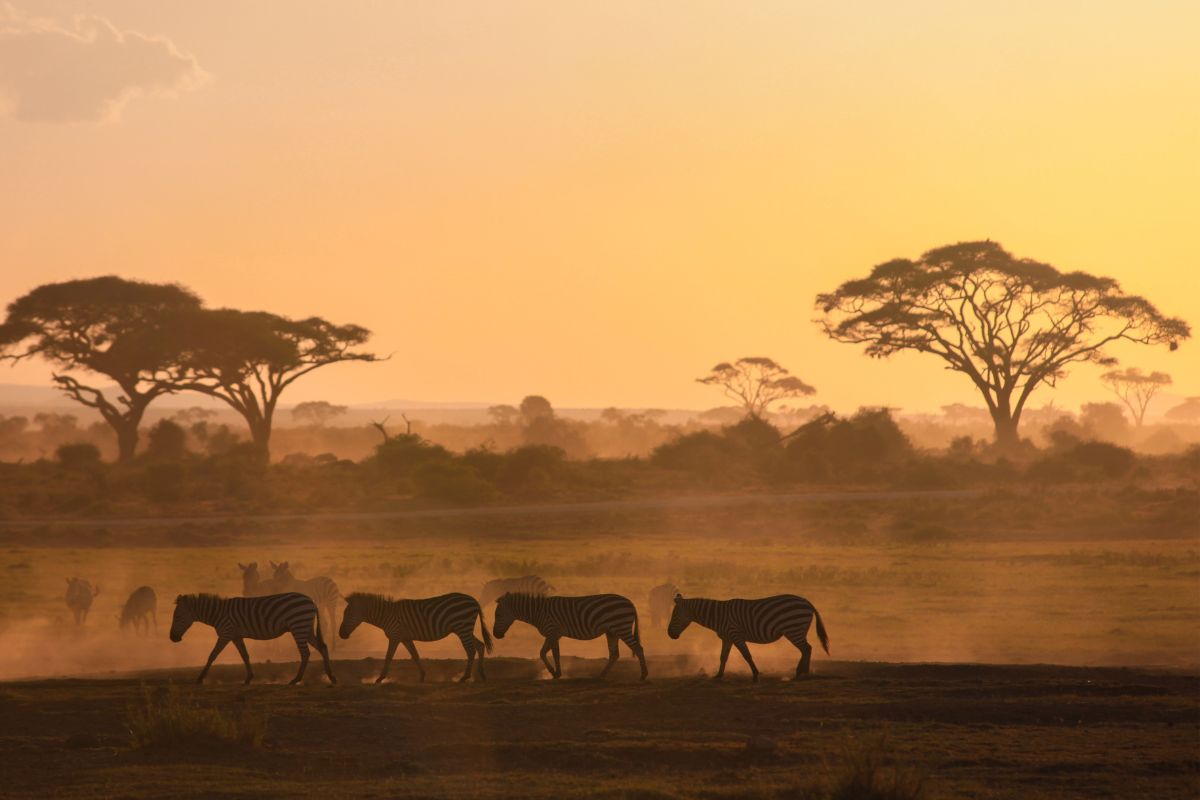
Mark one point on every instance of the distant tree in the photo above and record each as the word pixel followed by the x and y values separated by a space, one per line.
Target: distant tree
pixel 1008 324
pixel 106 326
pixel 721 415
pixel 12 426
pixel 756 383
pixel 248 358
pixel 1188 411
pixel 192 415
pixel 963 414
pixel 317 412
pixel 1135 389
pixel 535 407
pixel 504 414
pixel 166 441
pixel 1104 421
pixel 56 425
pixel 81 456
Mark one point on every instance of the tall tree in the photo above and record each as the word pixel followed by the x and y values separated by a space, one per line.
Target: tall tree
pixel 1009 324
pixel 1135 389
pixel 109 327
pixel 248 358
pixel 317 412
pixel 756 382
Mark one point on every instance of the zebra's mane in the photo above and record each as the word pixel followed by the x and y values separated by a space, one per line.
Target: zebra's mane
pixel 523 595
pixel 199 596
pixel 369 597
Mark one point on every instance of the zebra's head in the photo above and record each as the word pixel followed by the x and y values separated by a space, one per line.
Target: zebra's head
pixel 282 570
pixel 249 575
pixel 505 615
pixel 185 615
pixel 681 617
pixel 353 615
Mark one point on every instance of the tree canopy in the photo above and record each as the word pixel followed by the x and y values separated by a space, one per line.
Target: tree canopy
pixel 1010 324
pixel 1135 388
pixel 756 382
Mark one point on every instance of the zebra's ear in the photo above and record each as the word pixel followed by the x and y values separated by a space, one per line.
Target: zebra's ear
pixel 274 565
pixel 178 597
pixel 243 567
pixel 678 597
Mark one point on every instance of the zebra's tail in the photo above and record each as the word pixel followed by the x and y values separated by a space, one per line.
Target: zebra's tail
pixel 317 627
pixel 824 637
pixel 487 637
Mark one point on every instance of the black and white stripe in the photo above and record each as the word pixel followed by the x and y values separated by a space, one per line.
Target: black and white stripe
pixel 323 591
pixel 422 620
pixel 527 584
pixel 758 621
pixel 254 585
pixel 575 618
pixel 141 605
pixel 238 618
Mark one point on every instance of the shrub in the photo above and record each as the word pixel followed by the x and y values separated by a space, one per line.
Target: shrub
pixel 453 482
pixel 868 771
pixel 81 456
pixel 172 719
pixel 167 441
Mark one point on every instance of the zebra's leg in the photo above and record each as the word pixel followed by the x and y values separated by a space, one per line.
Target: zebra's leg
pixel 635 647
pixel 745 651
pixel 546 647
pixel 241 648
pixel 726 646
pixel 154 614
pixel 557 659
pixel 387 660
pixel 612 653
pixel 805 649
pixel 480 648
pixel 468 643
pixel 302 646
pixel 323 649
pixel 216 651
pixel 412 651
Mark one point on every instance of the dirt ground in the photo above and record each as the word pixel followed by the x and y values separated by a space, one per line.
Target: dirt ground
pixel 965 730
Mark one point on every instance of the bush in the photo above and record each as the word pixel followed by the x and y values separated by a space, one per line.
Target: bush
pixel 172 719
pixel 867 772
pixel 453 482
pixel 81 456
pixel 1080 461
pixel 167 441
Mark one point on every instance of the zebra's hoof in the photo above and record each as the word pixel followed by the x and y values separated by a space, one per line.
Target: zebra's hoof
pixel 379 680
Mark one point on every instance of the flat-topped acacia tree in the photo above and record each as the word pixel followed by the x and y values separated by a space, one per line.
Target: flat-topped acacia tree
pixel 1009 324
pixel 108 327
pixel 1136 389
pixel 248 358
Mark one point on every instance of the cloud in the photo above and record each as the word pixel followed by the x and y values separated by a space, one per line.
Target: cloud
pixel 85 71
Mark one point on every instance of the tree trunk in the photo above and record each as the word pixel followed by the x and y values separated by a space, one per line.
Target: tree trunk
pixel 260 435
pixel 1007 438
pixel 127 440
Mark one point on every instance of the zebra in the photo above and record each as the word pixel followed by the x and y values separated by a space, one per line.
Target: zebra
pixel 424 620
pixel 238 618
pixel 759 621
pixel 80 594
pixel 255 586
pixel 322 590
pixel 142 603
pixel 662 601
pixel 575 618
pixel 528 584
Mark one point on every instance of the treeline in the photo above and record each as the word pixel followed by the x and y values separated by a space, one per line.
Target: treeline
pixel 404 468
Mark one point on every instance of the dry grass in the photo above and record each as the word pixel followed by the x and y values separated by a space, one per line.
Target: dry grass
pixel 171 719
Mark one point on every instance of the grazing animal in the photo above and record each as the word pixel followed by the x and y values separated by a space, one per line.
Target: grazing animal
pixel 662 603
pixel 253 585
pixel 236 619
pixel 575 618
pixel 528 584
pixel 141 605
pixel 323 591
pixel 424 620
pixel 759 621
pixel 80 594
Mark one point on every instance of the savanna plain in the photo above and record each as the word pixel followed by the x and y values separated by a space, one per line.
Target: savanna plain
pixel 945 612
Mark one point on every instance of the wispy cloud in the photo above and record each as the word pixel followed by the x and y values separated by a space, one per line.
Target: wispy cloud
pixel 85 70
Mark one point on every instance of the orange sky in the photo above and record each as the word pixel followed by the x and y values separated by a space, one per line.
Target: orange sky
pixel 599 201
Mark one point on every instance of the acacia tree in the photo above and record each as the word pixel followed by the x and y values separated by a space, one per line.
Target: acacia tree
pixel 317 412
pixel 1135 389
pixel 108 327
pixel 1009 324
pixel 248 358
pixel 756 382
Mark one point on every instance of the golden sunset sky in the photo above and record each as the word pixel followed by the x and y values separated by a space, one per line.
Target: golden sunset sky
pixel 597 201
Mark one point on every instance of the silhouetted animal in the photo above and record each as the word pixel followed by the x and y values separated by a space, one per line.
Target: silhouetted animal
pixel 142 603
pixel 575 618
pixel 424 620
pixel 759 621
pixel 80 594
pixel 254 585
pixel 238 618
pixel 662 603
pixel 529 584
pixel 323 591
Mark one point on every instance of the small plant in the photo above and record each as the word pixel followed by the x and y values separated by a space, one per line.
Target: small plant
pixel 868 771
pixel 174 719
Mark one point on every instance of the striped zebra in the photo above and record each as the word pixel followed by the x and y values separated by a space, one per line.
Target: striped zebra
pixel 142 603
pixel 322 590
pixel 575 618
pixel 528 584
pixel 662 603
pixel 254 585
pixel 425 620
pixel 80 594
pixel 236 619
pixel 759 621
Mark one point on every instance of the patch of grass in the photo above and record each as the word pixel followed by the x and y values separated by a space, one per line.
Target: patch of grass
pixel 171 719
pixel 868 771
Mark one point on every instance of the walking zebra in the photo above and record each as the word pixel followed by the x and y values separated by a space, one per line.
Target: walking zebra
pixel 662 602
pixel 424 620
pixel 528 584
pixel 142 603
pixel 575 618
pixel 759 621
pixel 253 585
pixel 239 618
pixel 323 591
pixel 80 594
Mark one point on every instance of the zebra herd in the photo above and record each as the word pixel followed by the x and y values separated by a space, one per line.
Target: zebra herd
pixel 283 604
